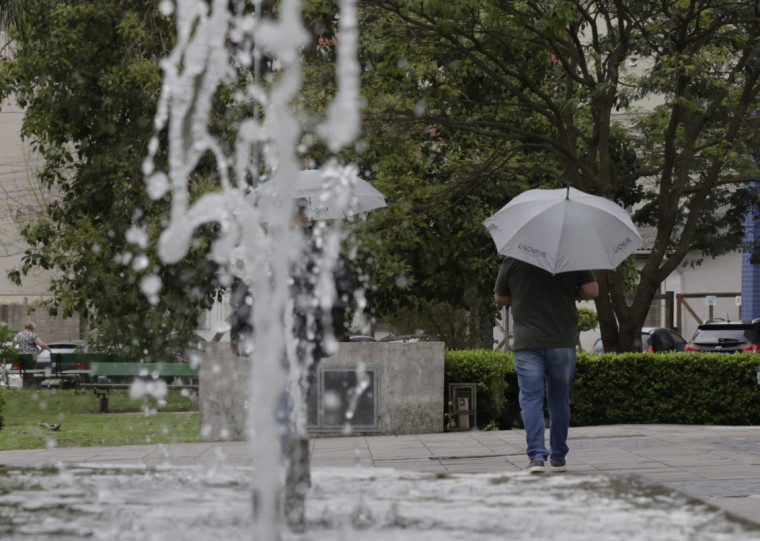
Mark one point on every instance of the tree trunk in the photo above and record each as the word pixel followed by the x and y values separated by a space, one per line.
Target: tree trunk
pixel 620 320
pixel 607 319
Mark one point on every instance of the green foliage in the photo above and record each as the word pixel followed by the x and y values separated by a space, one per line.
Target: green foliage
pixel 467 105
pixel 428 249
pixel 8 351
pixel 442 322
pixel 587 319
pixel 471 103
pixel 678 388
pixel 87 75
pixel 626 388
pixel 8 355
pixel 493 372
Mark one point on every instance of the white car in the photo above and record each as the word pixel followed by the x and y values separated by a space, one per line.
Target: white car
pixel 50 376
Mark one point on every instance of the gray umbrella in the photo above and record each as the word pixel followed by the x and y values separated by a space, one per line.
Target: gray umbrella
pixel 329 196
pixel 564 230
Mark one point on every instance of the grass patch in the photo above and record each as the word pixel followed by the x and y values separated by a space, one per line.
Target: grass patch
pixel 129 422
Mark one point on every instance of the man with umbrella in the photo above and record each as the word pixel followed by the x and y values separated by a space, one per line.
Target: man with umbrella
pixel 316 332
pixel 551 238
pixel 545 334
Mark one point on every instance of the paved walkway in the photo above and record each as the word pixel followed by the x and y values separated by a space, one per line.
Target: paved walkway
pixel 716 464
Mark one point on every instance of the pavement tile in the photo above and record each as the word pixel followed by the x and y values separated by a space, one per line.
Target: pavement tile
pixel 477 460
pixel 474 468
pixel 745 508
pixel 327 443
pixel 468 452
pixel 723 488
pixel 702 462
pixel 401 456
pixel 184 451
pixel 625 467
pixel 322 463
pixel 718 465
pixel 118 462
pixel 180 461
pixel 429 466
pixel 219 450
pixel 722 472
pixel 669 476
pixel 349 458
pixel 442 436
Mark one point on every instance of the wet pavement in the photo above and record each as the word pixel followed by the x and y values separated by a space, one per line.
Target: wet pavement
pixel 719 465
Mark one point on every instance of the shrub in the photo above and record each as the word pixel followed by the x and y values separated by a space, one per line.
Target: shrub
pixel 8 352
pixel 494 374
pixel 8 356
pixel 625 388
pixel 678 388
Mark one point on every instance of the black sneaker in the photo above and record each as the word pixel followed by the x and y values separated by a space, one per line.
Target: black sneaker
pixel 558 465
pixel 536 466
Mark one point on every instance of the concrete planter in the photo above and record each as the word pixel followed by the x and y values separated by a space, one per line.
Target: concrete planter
pixel 406 397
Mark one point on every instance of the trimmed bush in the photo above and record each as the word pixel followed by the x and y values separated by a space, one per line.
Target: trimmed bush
pixel 626 388
pixel 677 388
pixel 494 374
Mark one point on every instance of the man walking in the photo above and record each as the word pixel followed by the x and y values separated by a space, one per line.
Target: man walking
pixel 316 332
pixel 545 334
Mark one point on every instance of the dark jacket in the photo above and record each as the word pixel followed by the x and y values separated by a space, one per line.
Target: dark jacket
pixel 315 328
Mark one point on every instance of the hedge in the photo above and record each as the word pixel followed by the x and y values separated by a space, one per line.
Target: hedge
pixel 631 388
pixel 675 388
pixel 494 374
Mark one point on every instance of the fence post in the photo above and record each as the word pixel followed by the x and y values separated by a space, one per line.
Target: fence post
pixel 679 299
pixel 669 302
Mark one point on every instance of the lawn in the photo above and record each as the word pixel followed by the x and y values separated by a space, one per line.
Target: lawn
pixel 129 422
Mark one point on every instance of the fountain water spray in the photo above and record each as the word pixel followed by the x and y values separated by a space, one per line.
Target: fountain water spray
pixel 255 243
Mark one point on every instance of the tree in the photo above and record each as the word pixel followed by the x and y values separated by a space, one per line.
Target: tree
pixel 87 75
pixel 546 90
pixel 11 13
pixel 427 257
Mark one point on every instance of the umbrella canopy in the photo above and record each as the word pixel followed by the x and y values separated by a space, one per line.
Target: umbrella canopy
pixel 564 230
pixel 329 197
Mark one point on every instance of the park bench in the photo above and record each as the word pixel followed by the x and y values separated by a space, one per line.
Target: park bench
pixel 74 368
pixel 64 368
pixel 24 366
pixel 183 376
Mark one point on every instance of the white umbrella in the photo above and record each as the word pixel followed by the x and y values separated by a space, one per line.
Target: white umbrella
pixel 564 230
pixel 329 196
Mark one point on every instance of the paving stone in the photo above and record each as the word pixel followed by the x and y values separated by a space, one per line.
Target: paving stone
pixel 718 465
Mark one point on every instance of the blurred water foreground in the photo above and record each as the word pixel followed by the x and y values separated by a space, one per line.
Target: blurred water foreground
pixel 138 503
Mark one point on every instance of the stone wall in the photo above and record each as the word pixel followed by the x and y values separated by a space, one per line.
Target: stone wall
pixel 410 387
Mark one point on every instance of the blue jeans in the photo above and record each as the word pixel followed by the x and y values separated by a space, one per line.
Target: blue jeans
pixel 553 368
